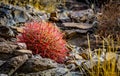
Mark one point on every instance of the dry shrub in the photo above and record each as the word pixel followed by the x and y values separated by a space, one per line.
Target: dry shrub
pixel 109 22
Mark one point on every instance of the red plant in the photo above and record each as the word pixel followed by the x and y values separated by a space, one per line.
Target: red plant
pixel 44 39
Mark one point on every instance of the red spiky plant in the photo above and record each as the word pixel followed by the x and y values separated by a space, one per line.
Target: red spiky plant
pixel 45 39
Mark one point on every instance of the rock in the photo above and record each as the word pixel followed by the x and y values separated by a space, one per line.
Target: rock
pixel 72 32
pixel 5 15
pixel 75 51
pixel 3 75
pixel 38 64
pixel 50 72
pixel 53 17
pixel 22 51
pixel 82 16
pixel 61 71
pixel 1 62
pixel 5 56
pixel 22 45
pixel 7 47
pixel 80 40
pixel 20 16
pixel 78 57
pixel 64 16
pixel 71 67
pixel 89 64
pixel 76 74
pixel 75 6
pixel 80 62
pixel 13 64
pixel 78 25
pixel 72 29
pixel 17 14
pixel 6 32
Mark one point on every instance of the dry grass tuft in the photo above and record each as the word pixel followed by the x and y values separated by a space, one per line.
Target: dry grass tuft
pixel 107 67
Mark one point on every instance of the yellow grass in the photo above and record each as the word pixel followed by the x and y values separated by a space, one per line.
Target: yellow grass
pixel 107 68
pixel 46 5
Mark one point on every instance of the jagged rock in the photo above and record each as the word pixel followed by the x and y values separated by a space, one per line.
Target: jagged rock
pixel 82 16
pixel 77 74
pixel 73 29
pixel 7 48
pixel 5 15
pixel 5 56
pixel 11 15
pixel 38 64
pixel 51 72
pixel 74 5
pixel 89 64
pixel 78 53
pixel 13 64
pixel 80 62
pixel 1 62
pixel 3 75
pixel 78 57
pixel 22 45
pixel 6 31
pixel 78 25
pixel 64 16
pixel 71 67
pixel 22 51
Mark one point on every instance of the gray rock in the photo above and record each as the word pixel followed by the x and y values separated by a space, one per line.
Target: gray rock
pixel 82 15
pixel 15 14
pixel 5 56
pixel 76 74
pixel 89 64
pixel 61 71
pixel 22 45
pixel 22 51
pixel 13 64
pixel 1 62
pixel 80 62
pixel 7 47
pixel 78 25
pixel 71 67
pixel 64 17
pixel 51 72
pixel 6 31
pixel 20 17
pixel 3 75
pixel 38 64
